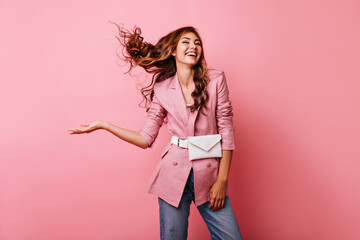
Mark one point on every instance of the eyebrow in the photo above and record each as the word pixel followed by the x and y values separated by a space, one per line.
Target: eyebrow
pixel 189 39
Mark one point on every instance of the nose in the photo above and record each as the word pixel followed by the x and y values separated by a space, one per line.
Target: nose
pixel 193 45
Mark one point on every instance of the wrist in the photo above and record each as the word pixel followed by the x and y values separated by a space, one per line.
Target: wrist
pixel 222 179
pixel 104 125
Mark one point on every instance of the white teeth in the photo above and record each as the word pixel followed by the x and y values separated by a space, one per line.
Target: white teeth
pixel 192 54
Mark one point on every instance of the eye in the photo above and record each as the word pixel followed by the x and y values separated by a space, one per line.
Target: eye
pixel 197 43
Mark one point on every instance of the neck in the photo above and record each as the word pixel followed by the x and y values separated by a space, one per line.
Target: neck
pixel 185 76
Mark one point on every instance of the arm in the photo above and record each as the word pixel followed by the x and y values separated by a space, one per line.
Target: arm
pixel 224 116
pixel 144 138
pixel 218 190
pixel 129 136
pixel 224 167
pixel 155 119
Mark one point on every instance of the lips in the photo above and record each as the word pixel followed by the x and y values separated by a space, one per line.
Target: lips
pixel 192 54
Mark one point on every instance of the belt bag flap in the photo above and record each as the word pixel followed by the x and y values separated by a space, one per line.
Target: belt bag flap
pixel 206 146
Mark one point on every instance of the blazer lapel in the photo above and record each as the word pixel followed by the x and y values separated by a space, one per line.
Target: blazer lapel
pixel 180 106
pixel 178 100
pixel 192 120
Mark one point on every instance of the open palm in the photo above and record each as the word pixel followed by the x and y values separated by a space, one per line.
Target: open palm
pixel 88 127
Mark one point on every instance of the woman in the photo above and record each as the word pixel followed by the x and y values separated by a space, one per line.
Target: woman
pixel 194 101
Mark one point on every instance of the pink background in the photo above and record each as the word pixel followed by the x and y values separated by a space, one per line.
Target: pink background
pixel 293 72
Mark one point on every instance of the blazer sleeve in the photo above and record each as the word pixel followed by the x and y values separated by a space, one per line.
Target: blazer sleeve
pixel 224 115
pixel 154 120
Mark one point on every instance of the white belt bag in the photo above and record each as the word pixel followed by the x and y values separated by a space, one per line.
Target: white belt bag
pixel 205 146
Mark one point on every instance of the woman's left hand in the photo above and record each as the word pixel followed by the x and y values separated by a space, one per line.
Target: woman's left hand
pixel 217 195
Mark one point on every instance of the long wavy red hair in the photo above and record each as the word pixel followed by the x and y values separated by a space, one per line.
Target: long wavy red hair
pixel 157 59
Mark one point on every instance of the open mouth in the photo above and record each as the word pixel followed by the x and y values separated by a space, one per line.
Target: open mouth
pixel 191 54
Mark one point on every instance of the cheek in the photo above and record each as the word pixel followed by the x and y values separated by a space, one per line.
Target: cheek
pixel 180 55
pixel 181 50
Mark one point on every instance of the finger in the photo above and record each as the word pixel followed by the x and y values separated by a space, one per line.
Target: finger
pixel 215 207
pixel 222 202
pixel 211 204
pixel 77 131
pixel 218 206
pixel 71 131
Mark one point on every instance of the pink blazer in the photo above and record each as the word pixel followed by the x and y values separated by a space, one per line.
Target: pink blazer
pixel 170 176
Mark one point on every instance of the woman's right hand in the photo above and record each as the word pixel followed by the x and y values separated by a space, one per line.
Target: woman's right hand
pixel 89 127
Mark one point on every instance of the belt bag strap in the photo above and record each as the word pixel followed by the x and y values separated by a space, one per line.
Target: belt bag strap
pixel 205 146
pixel 180 142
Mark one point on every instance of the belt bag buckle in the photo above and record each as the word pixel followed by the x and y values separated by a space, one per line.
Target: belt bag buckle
pixel 205 146
pixel 181 142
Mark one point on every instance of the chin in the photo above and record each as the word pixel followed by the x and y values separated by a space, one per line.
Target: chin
pixel 190 63
pixel 194 62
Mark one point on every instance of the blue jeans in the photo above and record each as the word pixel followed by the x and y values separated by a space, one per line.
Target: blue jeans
pixel 222 223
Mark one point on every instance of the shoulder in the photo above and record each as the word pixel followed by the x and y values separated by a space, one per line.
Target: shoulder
pixel 216 76
pixel 214 73
pixel 163 85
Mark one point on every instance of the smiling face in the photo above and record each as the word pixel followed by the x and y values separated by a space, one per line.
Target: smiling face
pixel 188 50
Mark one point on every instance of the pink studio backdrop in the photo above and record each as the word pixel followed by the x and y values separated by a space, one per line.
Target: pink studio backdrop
pixel 293 73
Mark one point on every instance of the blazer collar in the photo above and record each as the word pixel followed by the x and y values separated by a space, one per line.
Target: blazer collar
pixel 174 82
